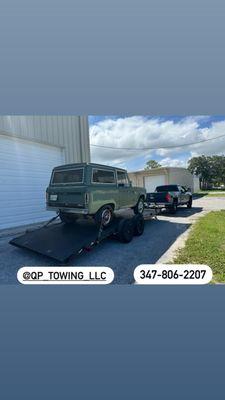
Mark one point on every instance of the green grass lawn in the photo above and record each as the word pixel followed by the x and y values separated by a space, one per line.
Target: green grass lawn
pixel 208 194
pixel 206 245
pixel 215 194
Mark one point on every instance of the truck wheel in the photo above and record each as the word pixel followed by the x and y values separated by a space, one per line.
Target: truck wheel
pixel 189 204
pixel 67 218
pixel 139 224
pixel 125 230
pixel 173 208
pixel 104 216
pixel 139 208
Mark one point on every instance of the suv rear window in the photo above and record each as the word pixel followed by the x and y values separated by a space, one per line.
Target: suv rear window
pixel 68 176
pixel 103 176
pixel 167 188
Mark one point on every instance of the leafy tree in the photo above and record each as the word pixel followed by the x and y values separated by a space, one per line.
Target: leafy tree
pixel 218 169
pixel 210 169
pixel 151 164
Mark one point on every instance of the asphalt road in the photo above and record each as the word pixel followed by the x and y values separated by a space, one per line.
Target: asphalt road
pixel 158 236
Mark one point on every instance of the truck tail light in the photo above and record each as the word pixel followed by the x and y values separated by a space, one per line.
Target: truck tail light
pixel 168 197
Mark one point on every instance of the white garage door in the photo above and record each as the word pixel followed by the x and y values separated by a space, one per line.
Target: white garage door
pixel 152 181
pixel 25 169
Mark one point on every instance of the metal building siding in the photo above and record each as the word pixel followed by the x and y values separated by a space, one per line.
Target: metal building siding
pixel 25 169
pixel 70 132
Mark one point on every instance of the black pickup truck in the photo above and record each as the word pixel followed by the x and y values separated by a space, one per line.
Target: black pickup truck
pixel 170 197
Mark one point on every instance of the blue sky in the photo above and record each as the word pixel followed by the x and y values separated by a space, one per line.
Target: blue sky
pixel 154 131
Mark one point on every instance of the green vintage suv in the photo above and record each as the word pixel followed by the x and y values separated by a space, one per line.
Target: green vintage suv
pixel 92 189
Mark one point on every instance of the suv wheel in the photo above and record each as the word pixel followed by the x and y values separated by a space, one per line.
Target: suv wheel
pixel 104 216
pixel 67 218
pixel 139 208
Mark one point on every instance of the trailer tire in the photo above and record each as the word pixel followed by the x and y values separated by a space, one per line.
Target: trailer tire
pixel 139 208
pixel 67 218
pixel 125 230
pixel 104 216
pixel 139 225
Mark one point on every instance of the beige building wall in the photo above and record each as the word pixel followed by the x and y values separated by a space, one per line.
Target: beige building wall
pixel 172 175
pixel 137 180
pixel 138 177
pixel 181 176
pixel 196 184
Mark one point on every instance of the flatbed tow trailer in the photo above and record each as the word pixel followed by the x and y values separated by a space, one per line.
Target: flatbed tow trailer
pixel 61 241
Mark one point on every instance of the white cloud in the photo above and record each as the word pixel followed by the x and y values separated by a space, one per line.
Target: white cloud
pixel 139 132
pixel 173 162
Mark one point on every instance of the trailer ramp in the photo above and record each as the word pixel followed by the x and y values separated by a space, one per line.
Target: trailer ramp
pixel 60 241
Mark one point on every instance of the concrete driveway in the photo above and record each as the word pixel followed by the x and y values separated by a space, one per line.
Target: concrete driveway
pixel 158 237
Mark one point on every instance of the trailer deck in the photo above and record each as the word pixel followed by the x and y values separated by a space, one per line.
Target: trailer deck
pixel 60 241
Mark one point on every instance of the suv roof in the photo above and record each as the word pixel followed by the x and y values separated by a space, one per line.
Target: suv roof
pixel 67 166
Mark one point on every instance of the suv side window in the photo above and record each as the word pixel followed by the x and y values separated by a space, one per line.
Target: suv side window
pixel 103 176
pixel 122 179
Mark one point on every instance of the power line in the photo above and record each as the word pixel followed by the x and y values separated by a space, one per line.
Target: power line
pixel 156 148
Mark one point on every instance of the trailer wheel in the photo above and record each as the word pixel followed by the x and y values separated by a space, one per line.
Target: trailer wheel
pixel 125 230
pixel 139 225
pixel 68 218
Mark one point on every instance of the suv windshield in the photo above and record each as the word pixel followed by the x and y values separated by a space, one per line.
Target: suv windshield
pixel 69 176
pixel 167 188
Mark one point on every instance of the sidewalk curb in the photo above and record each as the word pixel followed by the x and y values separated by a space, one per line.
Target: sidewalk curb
pixel 171 253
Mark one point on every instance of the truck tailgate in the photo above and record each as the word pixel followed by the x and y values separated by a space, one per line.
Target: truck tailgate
pixel 158 198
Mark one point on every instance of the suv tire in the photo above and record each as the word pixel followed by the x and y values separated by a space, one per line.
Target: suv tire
pixel 104 216
pixel 139 208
